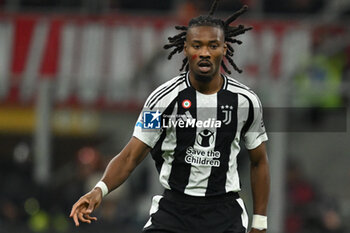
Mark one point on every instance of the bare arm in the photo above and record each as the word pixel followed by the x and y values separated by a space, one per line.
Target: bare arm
pixel 260 180
pixel 121 166
pixel 117 171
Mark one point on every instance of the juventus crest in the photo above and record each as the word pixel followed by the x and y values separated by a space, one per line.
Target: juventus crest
pixel 227 110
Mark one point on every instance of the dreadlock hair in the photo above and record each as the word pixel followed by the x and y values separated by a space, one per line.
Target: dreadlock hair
pixel 177 42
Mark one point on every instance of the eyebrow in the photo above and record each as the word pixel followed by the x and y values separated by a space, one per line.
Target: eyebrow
pixel 199 41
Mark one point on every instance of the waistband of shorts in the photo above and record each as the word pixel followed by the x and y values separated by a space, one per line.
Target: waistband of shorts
pixel 177 196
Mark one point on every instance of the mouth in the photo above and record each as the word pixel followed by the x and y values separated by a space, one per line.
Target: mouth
pixel 204 66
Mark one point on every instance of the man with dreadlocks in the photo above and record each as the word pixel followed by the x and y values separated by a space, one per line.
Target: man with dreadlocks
pixel 192 126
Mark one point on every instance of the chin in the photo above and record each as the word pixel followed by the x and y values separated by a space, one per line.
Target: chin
pixel 203 77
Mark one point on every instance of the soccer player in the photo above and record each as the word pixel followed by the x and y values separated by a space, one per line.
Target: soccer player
pixel 192 126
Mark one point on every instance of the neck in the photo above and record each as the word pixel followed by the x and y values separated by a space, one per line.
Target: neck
pixel 210 86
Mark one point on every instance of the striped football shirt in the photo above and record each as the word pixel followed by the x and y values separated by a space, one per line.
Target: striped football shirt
pixel 195 138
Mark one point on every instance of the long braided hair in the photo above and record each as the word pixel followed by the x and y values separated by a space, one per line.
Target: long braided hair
pixel 177 42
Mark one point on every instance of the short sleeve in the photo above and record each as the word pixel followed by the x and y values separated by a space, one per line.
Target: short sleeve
pixel 148 126
pixel 256 133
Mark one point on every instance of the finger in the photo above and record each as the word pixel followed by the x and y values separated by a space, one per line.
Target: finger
pixel 77 205
pixel 72 212
pixel 90 217
pixel 75 218
pixel 76 214
pixel 90 208
pixel 82 218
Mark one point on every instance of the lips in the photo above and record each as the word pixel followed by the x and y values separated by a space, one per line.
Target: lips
pixel 204 66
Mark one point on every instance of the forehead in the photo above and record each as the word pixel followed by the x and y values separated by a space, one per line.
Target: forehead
pixel 202 33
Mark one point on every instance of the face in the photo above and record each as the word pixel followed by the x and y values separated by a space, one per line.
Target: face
pixel 205 48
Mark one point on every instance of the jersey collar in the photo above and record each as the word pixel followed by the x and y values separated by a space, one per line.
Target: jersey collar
pixel 224 85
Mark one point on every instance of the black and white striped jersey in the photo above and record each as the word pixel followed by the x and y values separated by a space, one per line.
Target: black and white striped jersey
pixel 195 137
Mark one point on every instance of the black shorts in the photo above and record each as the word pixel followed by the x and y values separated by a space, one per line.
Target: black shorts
pixel 180 213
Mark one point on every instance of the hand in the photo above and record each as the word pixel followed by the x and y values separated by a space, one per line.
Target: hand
pixel 253 230
pixel 82 209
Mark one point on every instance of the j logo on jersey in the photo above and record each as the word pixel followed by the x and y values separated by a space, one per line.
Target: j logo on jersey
pixel 227 110
pixel 151 120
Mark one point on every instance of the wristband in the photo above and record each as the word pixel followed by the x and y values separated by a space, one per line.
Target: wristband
pixel 103 187
pixel 259 222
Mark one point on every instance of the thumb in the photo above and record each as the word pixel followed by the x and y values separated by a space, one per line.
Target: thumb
pixel 90 207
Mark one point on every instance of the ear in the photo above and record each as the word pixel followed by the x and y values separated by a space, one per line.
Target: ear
pixel 225 48
pixel 185 48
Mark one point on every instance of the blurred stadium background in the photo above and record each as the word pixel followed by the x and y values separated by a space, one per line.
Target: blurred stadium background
pixel 74 75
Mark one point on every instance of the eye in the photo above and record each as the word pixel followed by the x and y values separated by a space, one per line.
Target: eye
pixel 214 46
pixel 195 46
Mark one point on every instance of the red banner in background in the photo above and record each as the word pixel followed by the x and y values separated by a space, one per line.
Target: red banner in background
pixel 99 60
pixel 50 59
pixel 22 40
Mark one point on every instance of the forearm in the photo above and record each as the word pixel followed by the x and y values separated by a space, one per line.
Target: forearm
pixel 122 165
pixel 117 171
pixel 260 182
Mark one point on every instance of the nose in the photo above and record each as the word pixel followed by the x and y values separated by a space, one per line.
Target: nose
pixel 204 53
